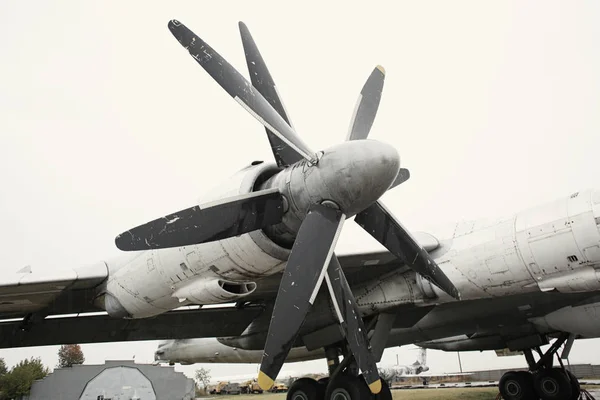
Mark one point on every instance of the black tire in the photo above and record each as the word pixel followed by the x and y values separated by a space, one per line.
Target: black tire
pixel 347 388
pixel 575 388
pixel 305 389
pixel 552 384
pixel 517 385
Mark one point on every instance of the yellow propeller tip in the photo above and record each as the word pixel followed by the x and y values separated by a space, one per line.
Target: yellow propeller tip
pixel 265 382
pixel 380 68
pixel 375 387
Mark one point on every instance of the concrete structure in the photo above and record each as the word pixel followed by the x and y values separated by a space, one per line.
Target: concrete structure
pixel 115 380
pixel 579 370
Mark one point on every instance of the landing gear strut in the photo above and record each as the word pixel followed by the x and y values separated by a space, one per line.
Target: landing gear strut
pixel 543 380
pixel 343 383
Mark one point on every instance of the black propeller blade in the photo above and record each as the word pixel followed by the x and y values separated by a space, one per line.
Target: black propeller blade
pixel 367 105
pixel 238 87
pixel 403 176
pixel 302 278
pixel 352 323
pixel 263 82
pixel 216 221
pixel 381 224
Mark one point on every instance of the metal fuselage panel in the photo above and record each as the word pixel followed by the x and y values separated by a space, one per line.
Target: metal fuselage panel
pixel 518 254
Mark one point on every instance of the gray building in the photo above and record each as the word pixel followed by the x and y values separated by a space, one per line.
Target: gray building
pixel 115 380
pixel 589 371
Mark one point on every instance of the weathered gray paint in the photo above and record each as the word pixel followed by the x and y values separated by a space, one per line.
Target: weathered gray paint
pixel 88 381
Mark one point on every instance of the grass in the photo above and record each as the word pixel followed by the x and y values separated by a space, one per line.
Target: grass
pixel 412 394
pixel 485 393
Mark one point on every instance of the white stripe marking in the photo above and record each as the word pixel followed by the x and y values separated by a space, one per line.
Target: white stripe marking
pixel 327 259
pixel 335 301
pixel 354 113
pixel 270 127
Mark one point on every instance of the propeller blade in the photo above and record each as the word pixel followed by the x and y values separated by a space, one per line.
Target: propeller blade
pixel 352 323
pixel 403 176
pixel 239 88
pixel 214 221
pixel 263 82
pixel 367 105
pixel 381 224
pixel 302 278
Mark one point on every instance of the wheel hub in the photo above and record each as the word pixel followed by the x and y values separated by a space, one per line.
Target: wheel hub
pixel 340 394
pixel 549 386
pixel 300 395
pixel 513 388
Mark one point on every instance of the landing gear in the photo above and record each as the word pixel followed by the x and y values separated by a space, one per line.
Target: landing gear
pixel 343 383
pixel 542 381
pixel 517 385
pixel 553 384
pixel 344 387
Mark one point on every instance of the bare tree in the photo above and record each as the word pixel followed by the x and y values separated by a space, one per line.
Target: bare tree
pixel 203 377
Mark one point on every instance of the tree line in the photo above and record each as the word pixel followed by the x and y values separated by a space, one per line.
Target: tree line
pixel 16 382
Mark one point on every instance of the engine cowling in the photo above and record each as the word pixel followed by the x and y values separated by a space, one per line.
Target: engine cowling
pixel 149 283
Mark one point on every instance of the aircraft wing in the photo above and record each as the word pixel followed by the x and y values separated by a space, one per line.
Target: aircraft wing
pixel 67 291
pixel 358 268
pixel 60 307
pixel 45 296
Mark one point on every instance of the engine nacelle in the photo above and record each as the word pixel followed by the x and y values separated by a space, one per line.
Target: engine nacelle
pixel 144 284
pixel 582 320
pixel 253 254
pixel 213 291
pixel 465 343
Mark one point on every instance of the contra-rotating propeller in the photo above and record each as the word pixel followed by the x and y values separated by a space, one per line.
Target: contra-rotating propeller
pixel 346 180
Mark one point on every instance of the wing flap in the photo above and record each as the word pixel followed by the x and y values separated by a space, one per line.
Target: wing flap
pixel 182 324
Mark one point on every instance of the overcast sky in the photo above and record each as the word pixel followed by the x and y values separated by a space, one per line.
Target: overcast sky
pixel 106 122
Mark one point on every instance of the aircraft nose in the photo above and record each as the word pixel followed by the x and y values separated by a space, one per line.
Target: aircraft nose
pixel 358 172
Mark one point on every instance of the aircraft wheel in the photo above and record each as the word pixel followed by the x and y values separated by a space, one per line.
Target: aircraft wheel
pixel 575 388
pixel 553 384
pixel 305 389
pixel 517 385
pixel 347 387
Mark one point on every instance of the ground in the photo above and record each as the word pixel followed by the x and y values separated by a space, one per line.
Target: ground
pixel 412 394
pixel 484 393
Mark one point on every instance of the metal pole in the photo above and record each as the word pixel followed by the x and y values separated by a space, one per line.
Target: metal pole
pixel 459 363
pixel 397 363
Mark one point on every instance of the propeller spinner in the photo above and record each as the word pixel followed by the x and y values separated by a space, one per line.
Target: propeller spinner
pixel 347 179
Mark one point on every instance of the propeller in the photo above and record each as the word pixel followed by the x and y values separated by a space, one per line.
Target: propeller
pixel 329 187
pixel 263 82
pixel 239 88
pixel 367 105
pixel 200 224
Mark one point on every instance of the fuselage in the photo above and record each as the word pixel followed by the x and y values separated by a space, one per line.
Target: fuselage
pixel 555 246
